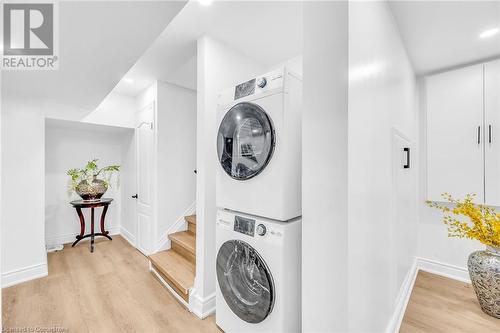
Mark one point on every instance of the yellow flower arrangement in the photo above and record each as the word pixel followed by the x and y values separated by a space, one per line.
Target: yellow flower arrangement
pixel 483 225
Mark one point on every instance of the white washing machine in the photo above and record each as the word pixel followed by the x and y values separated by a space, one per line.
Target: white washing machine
pixel 258 274
pixel 259 146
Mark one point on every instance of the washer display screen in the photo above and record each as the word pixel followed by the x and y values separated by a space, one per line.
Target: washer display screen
pixel 244 89
pixel 244 226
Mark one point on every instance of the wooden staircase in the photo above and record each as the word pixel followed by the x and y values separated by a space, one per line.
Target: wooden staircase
pixel 176 266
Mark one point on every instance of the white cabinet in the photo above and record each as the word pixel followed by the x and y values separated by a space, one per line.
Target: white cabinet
pixel 492 133
pixel 463 133
pixel 455 133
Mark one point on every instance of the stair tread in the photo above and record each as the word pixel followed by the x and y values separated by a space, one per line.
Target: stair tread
pixel 190 219
pixel 186 239
pixel 176 268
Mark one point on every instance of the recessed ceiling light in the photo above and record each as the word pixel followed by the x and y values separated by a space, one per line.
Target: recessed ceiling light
pixel 489 33
pixel 128 80
pixel 205 2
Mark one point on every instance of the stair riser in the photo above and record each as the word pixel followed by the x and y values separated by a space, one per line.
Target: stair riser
pixel 183 252
pixel 192 227
pixel 171 283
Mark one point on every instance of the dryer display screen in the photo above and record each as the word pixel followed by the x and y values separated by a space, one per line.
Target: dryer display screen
pixel 244 226
pixel 244 89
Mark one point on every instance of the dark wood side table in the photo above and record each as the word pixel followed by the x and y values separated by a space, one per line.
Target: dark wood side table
pixel 79 204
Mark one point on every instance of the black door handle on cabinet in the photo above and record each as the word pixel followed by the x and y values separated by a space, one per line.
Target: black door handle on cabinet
pixel 407 165
pixel 135 196
pixel 479 135
pixel 489 133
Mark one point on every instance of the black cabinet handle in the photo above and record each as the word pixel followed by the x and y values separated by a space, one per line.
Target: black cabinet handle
pixel 135 196
pixel 407 165
pixel 489 133
pixel 479 135
pixel 195 171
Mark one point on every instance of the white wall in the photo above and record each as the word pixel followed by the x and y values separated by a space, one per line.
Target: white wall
pixel 176 128
pixel 23 244
pixel 219 67
pixel 70 145
pixel 324 168
pixel 115 110
pixel 382 96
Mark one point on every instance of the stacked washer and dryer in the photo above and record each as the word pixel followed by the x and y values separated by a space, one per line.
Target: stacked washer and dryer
pixel 258 198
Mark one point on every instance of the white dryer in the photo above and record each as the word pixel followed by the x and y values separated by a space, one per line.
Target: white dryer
pixel 259 146
pixel 258 274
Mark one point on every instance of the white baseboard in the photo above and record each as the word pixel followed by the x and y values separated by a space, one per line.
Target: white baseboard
pixel 70 238
pixel 446 270
pixel 427 265
pixel 179 225
pixel 403 299
pixel 129 237
pixel 201 307
pixel 24 274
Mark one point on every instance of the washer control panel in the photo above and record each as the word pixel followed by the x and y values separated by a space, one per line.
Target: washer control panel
pixel 247 225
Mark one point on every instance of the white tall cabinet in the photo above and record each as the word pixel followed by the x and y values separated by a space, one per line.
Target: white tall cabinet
pixel 463 133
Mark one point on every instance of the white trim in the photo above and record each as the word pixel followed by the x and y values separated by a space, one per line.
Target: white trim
pixel 172 291
pixel 127 235
pixel 70 238
pixel 427 265
pixel 180 225
pixel 446 270
pixel 403 298
pixel 24 274
pixel 201 307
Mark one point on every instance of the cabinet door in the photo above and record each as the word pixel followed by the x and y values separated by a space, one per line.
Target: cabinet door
pixel 492 133
pixel 455 133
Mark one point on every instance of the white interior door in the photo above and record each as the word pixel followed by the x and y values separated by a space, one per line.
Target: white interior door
pixel 145 172
pixel 455 133
pixel 492 127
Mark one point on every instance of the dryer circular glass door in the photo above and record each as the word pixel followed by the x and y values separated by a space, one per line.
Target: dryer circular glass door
pixel 245 142
pixel 245 281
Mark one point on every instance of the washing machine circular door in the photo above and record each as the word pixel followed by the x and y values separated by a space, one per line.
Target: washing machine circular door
pixel 246 139
pixel 245 281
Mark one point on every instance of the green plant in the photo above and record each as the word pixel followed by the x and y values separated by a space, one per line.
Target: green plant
pixel 90 172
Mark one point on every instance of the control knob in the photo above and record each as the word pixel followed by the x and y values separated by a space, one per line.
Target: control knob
pixel 261 82
pixel 261 230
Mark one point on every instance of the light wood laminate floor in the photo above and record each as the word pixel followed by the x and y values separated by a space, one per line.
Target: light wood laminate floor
pixel 439 304
pixel 110 290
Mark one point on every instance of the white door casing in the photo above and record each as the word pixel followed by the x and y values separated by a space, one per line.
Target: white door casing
pixel 145 145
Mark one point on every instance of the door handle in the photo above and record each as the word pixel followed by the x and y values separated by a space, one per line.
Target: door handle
pixel 135 196
pixel 489 133
pixel 479 135
pixel 407 165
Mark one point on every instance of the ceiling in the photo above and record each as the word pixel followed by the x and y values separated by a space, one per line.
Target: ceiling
pixel 98 41
pixel 444 34
pixel 269 32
